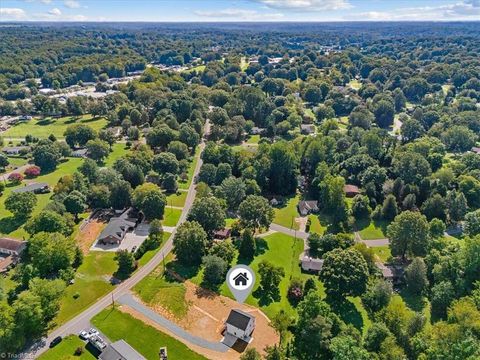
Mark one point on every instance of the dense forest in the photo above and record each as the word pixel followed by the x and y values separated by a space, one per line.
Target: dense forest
pixel 391 109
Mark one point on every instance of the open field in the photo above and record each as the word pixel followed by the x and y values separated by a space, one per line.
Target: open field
pixel 42 128
pixel 118 150
pixel 285 214
pixel 145 339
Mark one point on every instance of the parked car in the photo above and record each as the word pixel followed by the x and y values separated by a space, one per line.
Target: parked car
pixel 93 332
pixel 84 335
pixel 55 341
pixel 134 249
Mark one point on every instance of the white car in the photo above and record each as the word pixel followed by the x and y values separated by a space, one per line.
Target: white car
pixel 93 332
pixel 84 335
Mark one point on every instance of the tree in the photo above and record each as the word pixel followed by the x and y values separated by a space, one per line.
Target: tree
pixel 251 354
pixel 332 197
pixel 75 203
pixel 270 277
pixel 120 194
pixel 3 160
pixel 378 295
pixel 442 294
pixel 89 169
pixel 179 149
pixel 208 212
pixel 49 292
pixel 51 253
pixel 409 234
pixel 233 190
pixel 346 347
pixel 46 155
pixel 416 276
pixel 411 167
pixel 459 138
pixel 282 177
pixel 28 318
pixel 411 129
pixel 224 250
pixel 344 273
pixel 472 223
pixel 361 207
pixel 160 136
pixel 457 206
pixel 190 243
pixel 247 246
pixel 21 204
pixel 48 221
pixel 79 135
pixel 384 113
pixel 108 136
pixel 98 149
pixel 165 163
pixel 126 263
pixel 150 200
pixel 15 179
pixel 255 212
pixel 32 171
pixel 375 336
pixel 389 208
pixel 437 228
pixel 214 271
pixel 435 207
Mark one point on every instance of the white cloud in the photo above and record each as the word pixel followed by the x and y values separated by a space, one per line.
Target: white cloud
pixel 55 12
pixel 307 5
pixel 46 1
pixel 11 14
pixel 71 4
pixel 240 14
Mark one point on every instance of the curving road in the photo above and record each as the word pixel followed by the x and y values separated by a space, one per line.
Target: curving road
pixel 82 320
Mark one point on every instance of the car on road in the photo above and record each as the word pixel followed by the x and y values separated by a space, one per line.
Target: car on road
pixel 84 335
pixel 55 341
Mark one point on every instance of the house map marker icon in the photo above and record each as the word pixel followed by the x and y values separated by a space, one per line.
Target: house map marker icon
pixel 240 281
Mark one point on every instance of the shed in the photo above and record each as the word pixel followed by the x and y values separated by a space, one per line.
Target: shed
pixel 222 234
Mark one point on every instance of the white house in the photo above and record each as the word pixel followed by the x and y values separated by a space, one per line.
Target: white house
pixel 239 325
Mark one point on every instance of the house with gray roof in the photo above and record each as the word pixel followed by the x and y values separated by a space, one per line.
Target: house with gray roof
pixel 36 188
pixel 120 350
pixel 117 227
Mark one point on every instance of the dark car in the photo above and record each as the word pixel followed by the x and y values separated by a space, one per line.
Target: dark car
pixel 55 341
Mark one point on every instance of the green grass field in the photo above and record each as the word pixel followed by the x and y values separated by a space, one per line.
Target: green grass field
pixel 254 139
pixel 373 230
pixel 145 339
pixel 91 282
pixel 185 185
pixel 383 252
pixel 9 225
pixel 198 69
pixel 171 216
pixel 118 150
pixel 286 213
pixel 177 199
pixel 316 226
pixel 66 350
pixel 355 84
pixel 42 128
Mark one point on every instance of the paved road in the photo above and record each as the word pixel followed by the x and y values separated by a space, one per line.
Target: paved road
pixel 82 320
pixel 376 242
pixel 129 300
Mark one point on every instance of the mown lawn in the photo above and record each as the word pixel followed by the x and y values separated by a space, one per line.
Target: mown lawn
pixel 315 225
pixel 373 230
pixel 185 185
pixel 66 350
pixel 144 338
pixel 92 280
pixel 198 69
pixel 171 216
pixel 177 199
pixel 254 139
pixel 42 128
pixel 118 150
pixel 383 252
pixel 11 226
pixel 285 214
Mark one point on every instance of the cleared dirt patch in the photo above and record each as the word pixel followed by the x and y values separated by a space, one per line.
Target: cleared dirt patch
pixel 87 235
pixel 205 317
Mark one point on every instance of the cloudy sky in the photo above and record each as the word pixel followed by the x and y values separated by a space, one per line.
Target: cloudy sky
pixel 240 10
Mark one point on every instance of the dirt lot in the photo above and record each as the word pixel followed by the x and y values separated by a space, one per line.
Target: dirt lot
pixel 206 316
pixel 86 236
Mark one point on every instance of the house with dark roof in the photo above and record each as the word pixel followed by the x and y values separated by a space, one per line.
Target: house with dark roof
pixel 351 190
pixel 117 227
pixel 239 325
pixel 222 234
pixel 120 350
pixel 393 273
pixel 306 207
pixel 16 150
pixel 36 188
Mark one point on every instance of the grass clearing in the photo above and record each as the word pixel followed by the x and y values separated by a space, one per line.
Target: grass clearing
pixel 91 282
pixel 42 128
pixel 316 226
pixel 185 185
pixel 253 139
pixel 118 150
pixel 117 325
pixel 198 69
pixel 373 230
pixel 171 217
pixel 355 84
pixel 286 213
pixel 66 350
pixel 177 199
pixel 383 253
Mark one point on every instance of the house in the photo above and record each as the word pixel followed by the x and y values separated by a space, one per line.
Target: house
pixel 310 264
pixel 307 129
pixel 222 234
pixel 10 246
pixel 256 131
pixel 239 325
pixel 241 279
pixel 351 190
pixel 393 273
pixel 117 227
pixel 306 207
pixel 16 150
pixel 476 150
pixel 274 202
pixel 120 350
pixel 36 188
pixel 80 153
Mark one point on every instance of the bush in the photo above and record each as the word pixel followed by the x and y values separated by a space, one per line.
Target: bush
pixel 15 178
pixel 78 351
pixel 295 292
pixel 32 172
pixel 76 295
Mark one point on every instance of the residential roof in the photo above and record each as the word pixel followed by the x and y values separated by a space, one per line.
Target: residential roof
pixel 117 226
pixel 222 233
pixel 312 263
pixel 120 350
pixel 12 244
pixel 351 188
pixel 15 148
pixel 307 127
pixel 31 187
pixel 476 150
pixel 239 319
pixel 308 205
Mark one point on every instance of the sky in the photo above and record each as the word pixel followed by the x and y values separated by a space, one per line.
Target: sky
pixel 239 10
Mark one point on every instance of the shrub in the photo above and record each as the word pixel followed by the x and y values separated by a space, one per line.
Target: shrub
pixel 15 178
pixel 78 351
pixel 32 172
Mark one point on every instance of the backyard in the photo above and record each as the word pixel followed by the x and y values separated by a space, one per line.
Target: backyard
pixel 286 213
pixel 66 350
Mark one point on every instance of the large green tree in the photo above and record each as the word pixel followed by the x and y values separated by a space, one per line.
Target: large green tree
pixel 190 243
pixel 409 234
